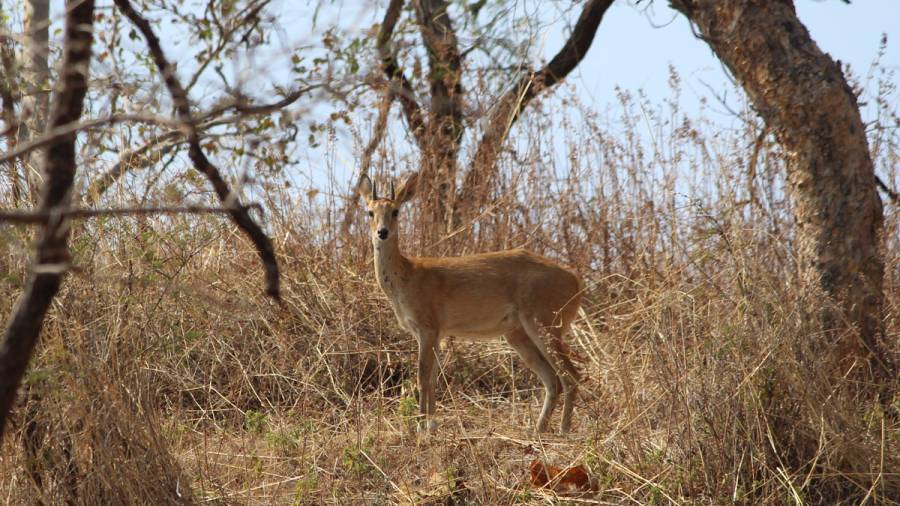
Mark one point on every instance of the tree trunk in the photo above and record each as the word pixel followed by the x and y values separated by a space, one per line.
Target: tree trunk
pixel 52 254
pixel 445 125
pixel 438 130
pixel 802 95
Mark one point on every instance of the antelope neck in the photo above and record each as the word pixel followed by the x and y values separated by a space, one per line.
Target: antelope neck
pixel 390 264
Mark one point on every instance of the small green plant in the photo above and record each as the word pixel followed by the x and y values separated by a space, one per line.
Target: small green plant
pixel 524 496
pixel 354 461
pixel 284 440
pixel 257 465
pixel 255 422
pixel 656 496
pixel 407 410
pixel 305 489
pixel 289 439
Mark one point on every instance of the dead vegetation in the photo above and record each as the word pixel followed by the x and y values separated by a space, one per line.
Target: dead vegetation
pixel 162 377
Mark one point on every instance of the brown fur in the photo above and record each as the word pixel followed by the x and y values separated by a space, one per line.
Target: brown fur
pixel 525 297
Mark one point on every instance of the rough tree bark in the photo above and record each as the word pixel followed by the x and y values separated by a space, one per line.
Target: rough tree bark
pixel 52 256
pixel 804 98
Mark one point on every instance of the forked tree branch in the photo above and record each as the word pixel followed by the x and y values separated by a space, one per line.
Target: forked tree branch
pixel 484 164
pixel 400 86
pixel 137 158
pixel 202 164
pixel 52 253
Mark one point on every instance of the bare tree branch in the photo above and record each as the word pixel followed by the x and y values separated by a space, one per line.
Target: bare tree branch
pixel 445 122
pixel 250 109
pixel 483 167
pixel 136 159
pixel 183 109
pixel 400 85
pixel 366 161
pixel 52 254
pixel 895 198
pixel 8 89
pixel 54 134
pixel 52 215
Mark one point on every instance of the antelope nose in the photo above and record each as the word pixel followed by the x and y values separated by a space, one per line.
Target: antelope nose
pixel 383 234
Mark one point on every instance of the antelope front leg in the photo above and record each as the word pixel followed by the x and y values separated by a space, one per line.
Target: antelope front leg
pixel 427 370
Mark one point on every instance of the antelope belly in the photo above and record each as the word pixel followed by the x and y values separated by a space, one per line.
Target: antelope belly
pixel 480 323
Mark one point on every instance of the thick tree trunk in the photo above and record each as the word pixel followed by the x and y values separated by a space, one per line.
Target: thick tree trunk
pixel 802 95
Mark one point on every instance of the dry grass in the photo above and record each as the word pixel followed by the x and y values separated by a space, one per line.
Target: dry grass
pixel 164 376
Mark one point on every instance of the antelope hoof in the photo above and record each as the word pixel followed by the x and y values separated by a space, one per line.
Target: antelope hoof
pixel 426 426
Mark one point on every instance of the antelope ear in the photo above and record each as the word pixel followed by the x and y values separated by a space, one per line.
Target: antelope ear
pixel 408 189
pixel 364 187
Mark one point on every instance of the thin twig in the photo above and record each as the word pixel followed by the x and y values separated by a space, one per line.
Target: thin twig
pixel 65 130
pixel 201 163
pixel 895 198
pixel 377 134
pixel 29 217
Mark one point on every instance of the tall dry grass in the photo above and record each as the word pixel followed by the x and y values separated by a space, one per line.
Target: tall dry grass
pixel 164 376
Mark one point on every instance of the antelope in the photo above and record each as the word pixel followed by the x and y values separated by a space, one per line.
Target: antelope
pixel 528 299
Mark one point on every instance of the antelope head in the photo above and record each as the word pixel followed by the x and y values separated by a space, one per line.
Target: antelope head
pixel 383 211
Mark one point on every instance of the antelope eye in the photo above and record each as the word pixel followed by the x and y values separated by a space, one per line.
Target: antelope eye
pixel 371 214
pixel 395 213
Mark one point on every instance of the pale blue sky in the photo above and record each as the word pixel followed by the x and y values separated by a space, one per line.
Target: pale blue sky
pixel 634 47
pixel 631 53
